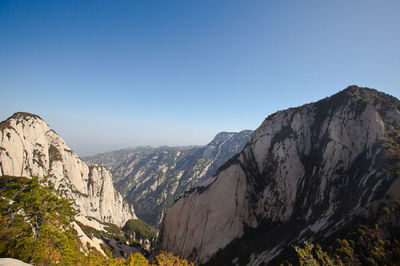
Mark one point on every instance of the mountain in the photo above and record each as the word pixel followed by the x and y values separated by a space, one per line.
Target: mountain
pixel 152 178
pixel 114 158
pixel 306 173
pixel 38 225
pixel 29 147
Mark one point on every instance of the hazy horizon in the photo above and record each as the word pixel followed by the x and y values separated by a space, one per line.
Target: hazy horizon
pixel 111 75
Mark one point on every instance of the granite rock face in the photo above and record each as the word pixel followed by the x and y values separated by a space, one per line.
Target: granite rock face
pixel 29 147
pixel 12 262
pixel 305 173
pixel 152 178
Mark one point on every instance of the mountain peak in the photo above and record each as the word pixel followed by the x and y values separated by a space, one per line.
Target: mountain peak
pixel 356 89
pixel 18 115
pixel 224 135
pixel 17 118
pixel 366 94
pixel 305 173
pixel 28 147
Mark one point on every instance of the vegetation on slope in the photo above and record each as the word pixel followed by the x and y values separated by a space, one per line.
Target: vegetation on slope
pixel 111 231
pixel 163 259
pixel 35 224
pixel 359 243
pixel 36 227
pixel 367 245
pixel 138 229
pixel 135 233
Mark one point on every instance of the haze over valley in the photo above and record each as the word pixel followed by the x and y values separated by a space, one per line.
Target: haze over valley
pixel 199 132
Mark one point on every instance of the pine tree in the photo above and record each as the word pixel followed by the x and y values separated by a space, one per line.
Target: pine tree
pixel 35 223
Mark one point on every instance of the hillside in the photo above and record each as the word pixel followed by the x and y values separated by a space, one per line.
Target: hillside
pixel 38 225
pixel 29 147
pixel 152 178
pixel 306 173
pixel 77 202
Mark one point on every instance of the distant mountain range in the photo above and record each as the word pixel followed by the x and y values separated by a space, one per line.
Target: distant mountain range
pixel 152 178
pixel 314 185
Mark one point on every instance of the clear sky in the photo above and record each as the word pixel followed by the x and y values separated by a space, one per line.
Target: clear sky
pixel 111 74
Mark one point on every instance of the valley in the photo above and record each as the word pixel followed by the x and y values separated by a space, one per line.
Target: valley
pixel 151 179
pixel 213 133
pixel 279 194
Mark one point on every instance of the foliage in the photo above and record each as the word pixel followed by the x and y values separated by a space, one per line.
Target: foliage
pixel 54 154
pixel 115 232
pixel 35 227
pixel 5 125
pixel 314 255
pixel 35 224
pixel 167 259
pixel 138 229
pixel 111 231
pixel 365 246
pixel 137 259
pixel 90 231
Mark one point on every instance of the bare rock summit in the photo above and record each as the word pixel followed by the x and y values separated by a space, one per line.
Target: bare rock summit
pixel 305 173
pixel 29 147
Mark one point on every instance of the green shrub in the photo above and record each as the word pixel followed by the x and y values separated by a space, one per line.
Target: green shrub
pixel 136 229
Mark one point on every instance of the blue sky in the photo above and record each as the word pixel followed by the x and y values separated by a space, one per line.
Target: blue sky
pixel 111 74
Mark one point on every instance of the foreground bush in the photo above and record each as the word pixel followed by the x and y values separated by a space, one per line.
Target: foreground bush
pixel 36 227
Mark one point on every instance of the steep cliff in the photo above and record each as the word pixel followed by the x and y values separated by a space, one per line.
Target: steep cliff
pixel 29 147
pixel 152 178
pixel 305 173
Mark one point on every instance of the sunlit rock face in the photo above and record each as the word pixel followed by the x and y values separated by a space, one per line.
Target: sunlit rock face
pixel 28 147
pixel 152 178
pixel 305 173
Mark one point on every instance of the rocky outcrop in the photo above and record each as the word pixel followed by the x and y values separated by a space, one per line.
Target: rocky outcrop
pixel 12 262
pixel 305 173
pixel 152 178
pixel 98 235
pixel 28 147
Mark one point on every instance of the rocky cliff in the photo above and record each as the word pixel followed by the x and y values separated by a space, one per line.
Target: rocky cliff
pixel 29 147
pixel 305 173
pixel 152 178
